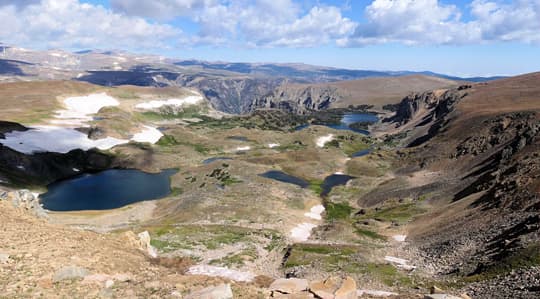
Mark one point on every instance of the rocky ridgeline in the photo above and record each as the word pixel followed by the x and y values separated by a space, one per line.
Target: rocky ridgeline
pixel 298 99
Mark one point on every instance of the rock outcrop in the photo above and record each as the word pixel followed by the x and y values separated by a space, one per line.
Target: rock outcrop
pixel 298 99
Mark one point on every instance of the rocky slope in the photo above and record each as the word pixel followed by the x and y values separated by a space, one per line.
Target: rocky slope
pixel 482 142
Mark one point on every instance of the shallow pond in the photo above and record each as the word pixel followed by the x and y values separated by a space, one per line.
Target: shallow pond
pixel 285 178
pixel 213 159
pixel 106 190
pixel 334 180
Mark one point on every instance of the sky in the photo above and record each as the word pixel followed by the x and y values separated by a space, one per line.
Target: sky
pixel 456 37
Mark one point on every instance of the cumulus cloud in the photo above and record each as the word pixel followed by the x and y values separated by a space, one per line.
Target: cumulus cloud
pixel 432 22
pixel 265 23
pixel 71 24
pixel 18 3
pixel 164 9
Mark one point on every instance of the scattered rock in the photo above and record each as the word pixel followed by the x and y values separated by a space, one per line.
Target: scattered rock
pixel 334 288
pixel 289 285
pixel 109 283
pixel 436 290
pixel 70 272
pixel 223 291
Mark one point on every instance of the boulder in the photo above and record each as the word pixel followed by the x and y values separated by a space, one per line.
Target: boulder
pixel 347 289
pixel 289 285
pixel 325 289
pixel 70 272
pixel 436 290
pixel 334 288
pixel 144 241
pixel 223 291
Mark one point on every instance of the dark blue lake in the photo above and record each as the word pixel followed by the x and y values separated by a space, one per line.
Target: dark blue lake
pixel 334 180
pixel 349 119
pixel 285 178
pixel 213 159
pixel 106 190
pixel 361 153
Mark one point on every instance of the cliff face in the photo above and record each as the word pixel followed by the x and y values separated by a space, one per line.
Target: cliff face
pixel 298 100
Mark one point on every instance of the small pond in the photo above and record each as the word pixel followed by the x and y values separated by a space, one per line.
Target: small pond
pixel 329 182
pixel 213 159
pixel 361 153
pixel 285 178
pixel 106 190
pixel 334 180
pixel 347 120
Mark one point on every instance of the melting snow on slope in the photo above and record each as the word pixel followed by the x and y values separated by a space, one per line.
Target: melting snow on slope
pixel 221 272
pixel 55 139
pixel 79 109
pixel 149 134
pixel 243 148
pixel 375 293
pixel 190 100
pixel 399 238
pixel 302 232
pixel 315 212
pixel 321 141
pixel 400 263
pixel 273 145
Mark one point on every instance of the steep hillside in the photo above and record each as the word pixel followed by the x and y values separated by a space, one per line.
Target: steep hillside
pixel 480 144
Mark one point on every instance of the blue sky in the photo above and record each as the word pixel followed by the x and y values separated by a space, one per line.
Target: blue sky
pixel 460 37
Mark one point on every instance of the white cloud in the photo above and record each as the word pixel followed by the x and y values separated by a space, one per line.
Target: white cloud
pixel 432 22
pixel 252 23
pixel 18 3
pixel 70 24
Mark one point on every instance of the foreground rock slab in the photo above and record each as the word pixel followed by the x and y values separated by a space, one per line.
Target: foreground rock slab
pixel 289 285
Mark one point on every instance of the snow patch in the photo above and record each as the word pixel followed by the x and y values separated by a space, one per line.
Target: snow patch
pixel 302 232
pixel 79 109
pixel 375 293
pixel 321 141
pixel 273 145
pixel 221 272
pixel 399 238
pixel 190 100
pixel 149 134
pixel 55 139
pixel 400 263
pixel 243 148
pixel 315 212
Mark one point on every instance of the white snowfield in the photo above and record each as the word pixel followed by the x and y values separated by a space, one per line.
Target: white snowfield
pixel 400 263
pixel 189 100
pixel 149 134
pixel 221 272
pixel 273 145
pixel 243 148
pixel 321 141
pixel 65 138
pixel 79 109
pixel 55 139
pixel 302 231
pixel 399 238
pixel 315 212
pixel 375 293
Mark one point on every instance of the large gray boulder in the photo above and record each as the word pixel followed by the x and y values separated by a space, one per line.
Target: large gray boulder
pixel 69 273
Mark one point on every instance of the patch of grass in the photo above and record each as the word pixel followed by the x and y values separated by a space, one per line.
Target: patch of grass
pixel 230 181
pixel 402 213
pixel 175 191
pixel 316 186
pixel 327 257
pixel 236 259
pixel 337 211
pixel 167 140
pixel 370 234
